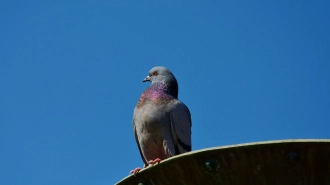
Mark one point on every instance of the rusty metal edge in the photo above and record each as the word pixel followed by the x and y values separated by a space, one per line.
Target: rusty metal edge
pixel 234 146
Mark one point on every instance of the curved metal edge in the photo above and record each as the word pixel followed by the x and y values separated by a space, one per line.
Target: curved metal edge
pixel 233 146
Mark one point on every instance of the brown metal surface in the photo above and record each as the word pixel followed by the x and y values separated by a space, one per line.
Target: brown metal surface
pixel 284 162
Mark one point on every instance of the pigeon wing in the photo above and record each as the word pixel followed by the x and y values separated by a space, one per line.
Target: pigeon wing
pixel 180 119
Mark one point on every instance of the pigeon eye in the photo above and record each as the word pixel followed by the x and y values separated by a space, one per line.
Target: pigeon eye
pixel 155 73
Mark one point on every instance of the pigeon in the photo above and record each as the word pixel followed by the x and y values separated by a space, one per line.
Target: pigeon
pixel 161 122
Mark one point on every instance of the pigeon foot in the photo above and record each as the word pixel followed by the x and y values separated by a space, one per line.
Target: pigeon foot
pixel 155 161
pixel 135 171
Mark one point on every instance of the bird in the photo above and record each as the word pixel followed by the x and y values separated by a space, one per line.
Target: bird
pixel 161 122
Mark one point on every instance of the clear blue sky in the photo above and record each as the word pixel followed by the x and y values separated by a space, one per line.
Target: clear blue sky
pixel 71 73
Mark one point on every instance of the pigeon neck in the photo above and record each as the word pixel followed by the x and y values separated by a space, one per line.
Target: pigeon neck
pixel 169 88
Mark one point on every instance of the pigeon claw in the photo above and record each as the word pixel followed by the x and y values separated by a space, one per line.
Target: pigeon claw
pixel 135 171
pixel 154 161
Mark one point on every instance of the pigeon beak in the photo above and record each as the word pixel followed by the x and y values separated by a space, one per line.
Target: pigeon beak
pixel 146 79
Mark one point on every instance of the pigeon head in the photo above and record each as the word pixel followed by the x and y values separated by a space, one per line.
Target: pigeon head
pixel 162 77
pixel 160 74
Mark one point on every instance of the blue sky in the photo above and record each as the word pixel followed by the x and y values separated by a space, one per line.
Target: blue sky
pixel 71 73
